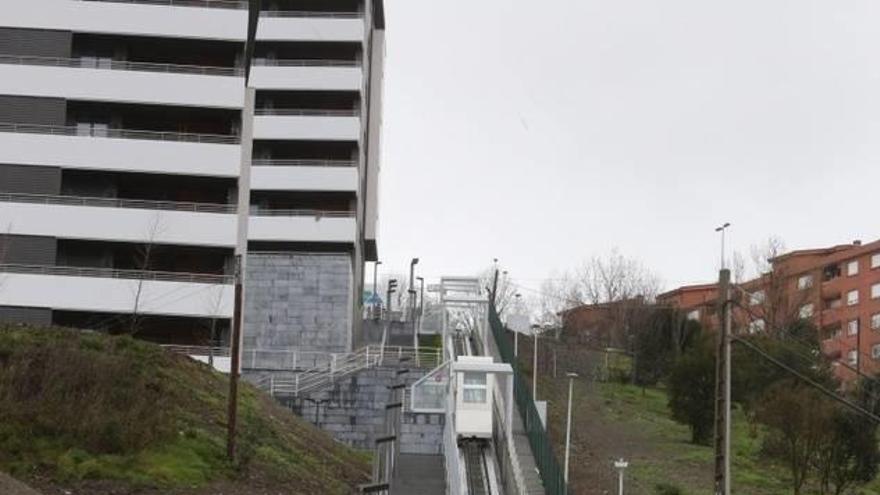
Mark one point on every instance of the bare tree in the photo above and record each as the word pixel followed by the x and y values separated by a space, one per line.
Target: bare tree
pixel 143 263
pixel 773 296
pixel 616 278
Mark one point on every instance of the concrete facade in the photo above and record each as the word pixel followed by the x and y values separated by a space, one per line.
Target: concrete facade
pixel 298 301
pixel 353 411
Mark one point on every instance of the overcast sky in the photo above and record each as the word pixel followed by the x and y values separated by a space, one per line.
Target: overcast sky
pixel 542 133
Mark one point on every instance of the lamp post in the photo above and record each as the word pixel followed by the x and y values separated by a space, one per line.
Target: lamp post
pixel 571 376
pixel 723 230
pixel 421 301
pixel 516 332
pixel 535 362
pixel 412 300
pixel 375 287
pixel 620 465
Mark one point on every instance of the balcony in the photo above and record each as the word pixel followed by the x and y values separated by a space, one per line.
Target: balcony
pixel 302 226
pixel 120 81
pixel 311 26
pixel 304 175
pixel 115 291
pixel 307 75
pixel 208 19
pixel 307 125
pixel 120 150
pixel 107 219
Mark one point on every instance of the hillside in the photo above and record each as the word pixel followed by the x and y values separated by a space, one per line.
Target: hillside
pixel 82 412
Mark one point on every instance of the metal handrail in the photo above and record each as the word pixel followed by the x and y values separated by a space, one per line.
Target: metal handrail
pixel 239 5
pixel 305 62
pixel 318 214
pixel 311 14
pixel 197 350
pixel 83 63
pixel 118 133
pixel 283 112
pixel 116 203
pixel 221 4
pixel 76 271
pixel 270 162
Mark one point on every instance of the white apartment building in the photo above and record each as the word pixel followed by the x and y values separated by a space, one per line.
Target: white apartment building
pixel 120 125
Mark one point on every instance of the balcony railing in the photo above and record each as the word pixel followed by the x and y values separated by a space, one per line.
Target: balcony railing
pixel 118 133
pixel 238 4
pixel 219 4
pixel 305 62
pixel 269 162
pixel 75 271
pixel 318 14
pixel 318 214
pixel 116 203
pixel 296 112
pixel 100 63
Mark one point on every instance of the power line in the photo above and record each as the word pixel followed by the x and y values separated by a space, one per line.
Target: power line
pixel 809 381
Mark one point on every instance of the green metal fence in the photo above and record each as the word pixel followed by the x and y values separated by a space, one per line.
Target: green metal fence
pixel 542 448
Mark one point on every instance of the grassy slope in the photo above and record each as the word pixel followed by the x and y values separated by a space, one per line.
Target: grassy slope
pixel 614 420
pixel 82 406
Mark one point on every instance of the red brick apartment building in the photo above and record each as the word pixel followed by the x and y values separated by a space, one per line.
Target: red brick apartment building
pixel 837 287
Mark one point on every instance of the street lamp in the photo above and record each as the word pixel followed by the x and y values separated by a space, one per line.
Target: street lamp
pixel 375 287
pixel 571 376
pixel 515 331
pixel 723 230
pixel 412 301
pixel 620 465
pixel 421 300
pixel 535 333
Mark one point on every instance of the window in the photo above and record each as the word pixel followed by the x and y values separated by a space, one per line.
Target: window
pixel 474 389
pixel 805 282
pixel 875 351
pixel 852 268
pixel 806 311
pixel 91 129
pixel 852 357
pixel 852 327
pixel 693 315
pixel 757 298
pixel 875 291
pixel 852 297
pixel 875 321
pixel 875 260
pixel 757 326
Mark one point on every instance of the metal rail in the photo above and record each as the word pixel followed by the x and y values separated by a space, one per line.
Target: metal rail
pixel 269 162
pixel 476 471
pixel 118 133
pixel 101 63
pixel 238 5
pixel 309 62
pixel 303 112
pixel 318 214
pixel 116 203
pixel 75 271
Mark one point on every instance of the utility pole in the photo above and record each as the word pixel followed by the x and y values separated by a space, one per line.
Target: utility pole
pixel 411 291
pixel 535 363
pixel 495 285
pixel 722 390
pixel 243 205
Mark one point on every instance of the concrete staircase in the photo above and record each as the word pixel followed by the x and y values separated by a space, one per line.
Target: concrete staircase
pixel 534 484
pixel 419 474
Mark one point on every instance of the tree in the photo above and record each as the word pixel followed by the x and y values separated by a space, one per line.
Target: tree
pixel 143 262
pixel 850 457
pixel 798 418
pixel 664 335
pixel 692 390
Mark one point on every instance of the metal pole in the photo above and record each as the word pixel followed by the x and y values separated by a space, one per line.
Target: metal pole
pixel 375 286
pixel 535 365
pixel 571 377
pixel 620 482
pixel 515 343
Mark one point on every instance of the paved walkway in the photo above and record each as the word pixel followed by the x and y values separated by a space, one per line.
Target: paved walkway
pixel 9 486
